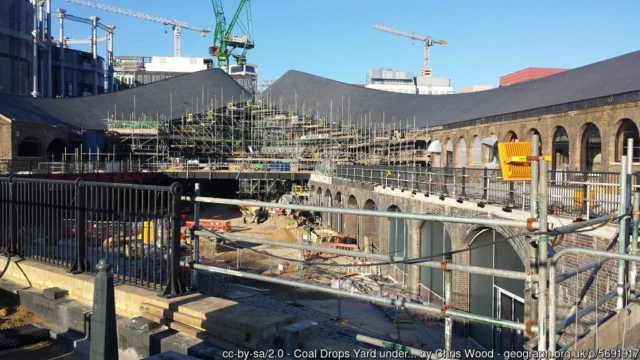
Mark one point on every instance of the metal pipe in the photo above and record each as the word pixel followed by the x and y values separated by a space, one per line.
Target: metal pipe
pixel 34 59
pixel 196 223
pixel 552 278
pixel 633 269
pixel 533 251
pixel 586 310
pixel 423 308
pixel 622 238
pixel 392 346
pixel 94 52
pixel 581 336
pixel 448 322
pixel 110 57
pixel 580 225
pixel 542 259
pixel 584 267
pixel 61 13
pixel 49 49
pixel 371 256
pixel 387 214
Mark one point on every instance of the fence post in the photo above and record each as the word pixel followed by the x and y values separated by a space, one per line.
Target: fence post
pixel 104 336
pixel 13 214
pixel 485 190
pixel 463 192
pixel 585 194
pixel 174 286
pixel 80 262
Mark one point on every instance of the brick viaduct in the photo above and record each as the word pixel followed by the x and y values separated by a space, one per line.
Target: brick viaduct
pixel 374 236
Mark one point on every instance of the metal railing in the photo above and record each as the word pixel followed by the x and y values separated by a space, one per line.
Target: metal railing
pixel 74 224
pixel 85 166
pixel 571 193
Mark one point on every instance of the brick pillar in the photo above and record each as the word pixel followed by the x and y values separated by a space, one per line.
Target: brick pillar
pixel 414 251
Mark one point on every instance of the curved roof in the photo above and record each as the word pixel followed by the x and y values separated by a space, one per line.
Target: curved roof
pixel 320 95
pixel 177 96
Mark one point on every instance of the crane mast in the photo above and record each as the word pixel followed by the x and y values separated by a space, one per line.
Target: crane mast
pixel 428 42
pixel 224 42
pixel 176 25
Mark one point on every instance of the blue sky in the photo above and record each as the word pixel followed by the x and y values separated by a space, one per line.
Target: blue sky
pixel 334 38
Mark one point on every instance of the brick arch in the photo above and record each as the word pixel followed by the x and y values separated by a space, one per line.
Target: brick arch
pixel 462 156
pixel 352 222
pixel 510 136
pixel 337 222
pixel 369 227
pixel 29 146
pixel 625 129
pixel 591 154
pixel 469 232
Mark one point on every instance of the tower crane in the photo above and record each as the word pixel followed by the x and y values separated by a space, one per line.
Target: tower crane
pixel 177 25
pixel 428 42
pixel 224 42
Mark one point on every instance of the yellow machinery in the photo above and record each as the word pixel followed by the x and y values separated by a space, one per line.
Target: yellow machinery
pixel 515 160
pixel 148 232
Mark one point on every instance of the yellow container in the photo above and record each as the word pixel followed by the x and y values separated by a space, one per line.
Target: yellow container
pixel 578 197
pixel 511 160
pixel 148 232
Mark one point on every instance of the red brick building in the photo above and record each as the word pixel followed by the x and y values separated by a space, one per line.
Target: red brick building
pixel 527 74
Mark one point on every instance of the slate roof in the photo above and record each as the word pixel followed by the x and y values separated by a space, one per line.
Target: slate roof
pixel 160 97
pixel 605 78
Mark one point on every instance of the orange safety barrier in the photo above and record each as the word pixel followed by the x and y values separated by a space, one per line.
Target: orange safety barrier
pixel 210 224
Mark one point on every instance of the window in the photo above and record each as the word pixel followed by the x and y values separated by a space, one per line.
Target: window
pixel 476 151
pixel 462 153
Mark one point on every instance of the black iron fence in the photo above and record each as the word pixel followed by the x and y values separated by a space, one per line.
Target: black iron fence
pixel 74 224
pixel 571 193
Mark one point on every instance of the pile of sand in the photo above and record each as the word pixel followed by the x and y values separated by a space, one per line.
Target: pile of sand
pixel 283 234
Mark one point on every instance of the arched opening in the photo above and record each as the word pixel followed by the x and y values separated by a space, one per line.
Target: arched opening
pixel 369 228
pixel 560 149
pixel 449 154
pixel 476 151
pixel 56 150
pixel 462 153
pixel 351 222
pixel 337 217
pixel 319 197
pixel 627 130
pixel 434 239
pixel 511 137
pixel 29 147
pixel 329 203
pixel 530 134
pixel 493 296
pixel 490 150
pixel 591 148
pixel 398 239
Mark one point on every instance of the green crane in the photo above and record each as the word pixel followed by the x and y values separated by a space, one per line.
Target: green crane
pixel 224 42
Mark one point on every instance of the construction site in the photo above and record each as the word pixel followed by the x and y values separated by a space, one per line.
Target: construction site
pixel 180 207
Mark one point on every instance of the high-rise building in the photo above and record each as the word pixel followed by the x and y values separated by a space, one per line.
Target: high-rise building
pixel 404 82
pixel 130 71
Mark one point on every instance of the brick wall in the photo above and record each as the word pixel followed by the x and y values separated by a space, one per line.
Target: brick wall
pixel 462 234
pixel 5 140
pixel 608 119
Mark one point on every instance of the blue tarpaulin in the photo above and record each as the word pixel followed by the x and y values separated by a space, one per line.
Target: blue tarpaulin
pixel 92 141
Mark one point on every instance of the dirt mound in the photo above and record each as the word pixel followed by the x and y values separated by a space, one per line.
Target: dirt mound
pixel 283 234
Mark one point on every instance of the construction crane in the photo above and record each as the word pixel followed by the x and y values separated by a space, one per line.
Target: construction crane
pixel 177 25
pixel 428 42
pixel 224 42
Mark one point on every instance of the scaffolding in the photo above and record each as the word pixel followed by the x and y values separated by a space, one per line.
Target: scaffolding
pixel 257 133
